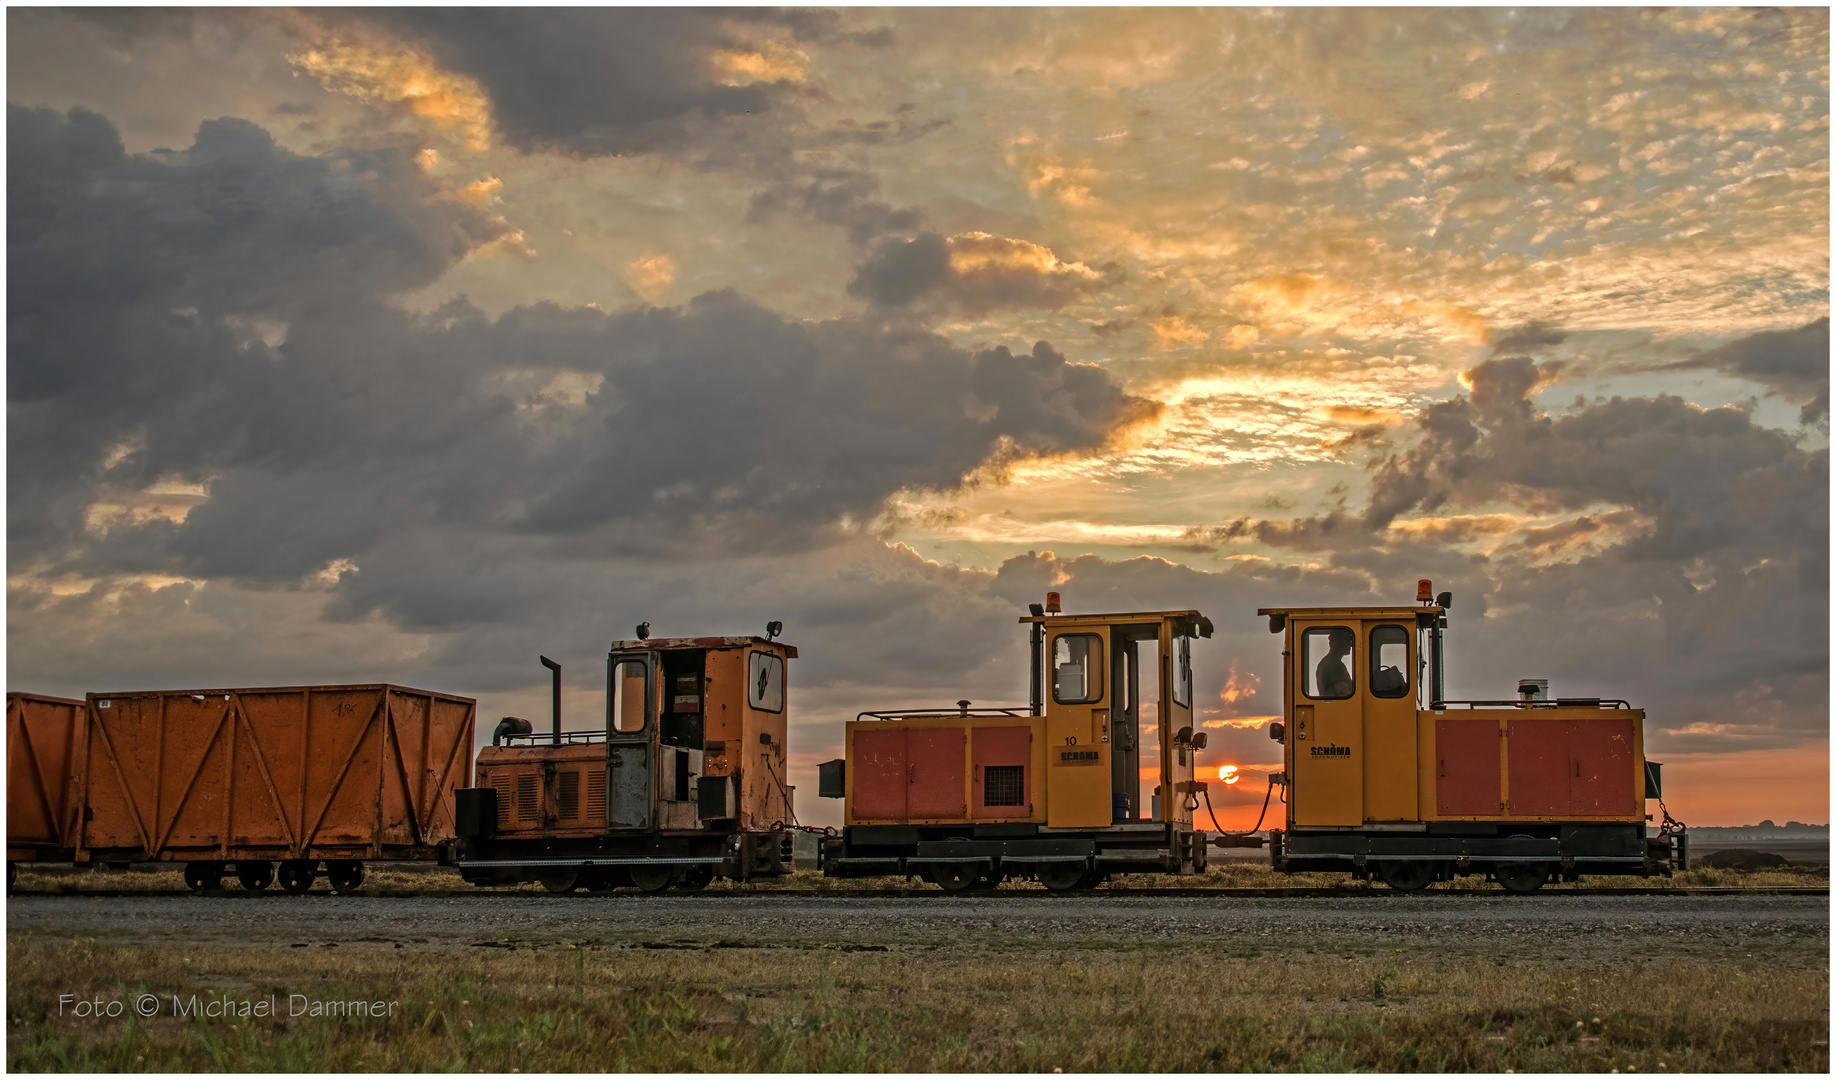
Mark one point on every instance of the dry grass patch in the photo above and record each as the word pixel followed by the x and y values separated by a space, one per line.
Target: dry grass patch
pixel 957 1010
pixel 400 879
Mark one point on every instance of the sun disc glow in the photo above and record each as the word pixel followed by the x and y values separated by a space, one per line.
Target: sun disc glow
pixel 1228 774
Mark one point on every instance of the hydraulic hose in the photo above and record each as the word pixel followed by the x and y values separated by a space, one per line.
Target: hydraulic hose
pixel 1253 829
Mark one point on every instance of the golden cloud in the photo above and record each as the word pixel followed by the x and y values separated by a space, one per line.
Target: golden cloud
pixel 769 63
pixel 652 273
pixel 395 72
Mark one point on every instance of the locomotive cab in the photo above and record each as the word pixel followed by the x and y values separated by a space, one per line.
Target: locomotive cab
pixel 685 780
pixel 965 797
pixel 1387 777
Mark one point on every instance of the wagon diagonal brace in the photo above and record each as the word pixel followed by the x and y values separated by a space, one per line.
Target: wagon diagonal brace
pixel 38 780
pixel 127 794
pixel 294 847
pixel 338 782
pixel 460 746
pixel 229 709
pixel 401 771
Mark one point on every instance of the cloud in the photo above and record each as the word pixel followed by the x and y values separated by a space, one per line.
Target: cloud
pixel 1792 364
pixel 588 81
pixel 720 426
pixel 1694 579
pixel 974 272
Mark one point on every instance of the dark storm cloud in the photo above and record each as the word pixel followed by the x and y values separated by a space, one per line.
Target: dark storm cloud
pixel 1711 478
pixel 973 272
pixel 845 198
pixel 1793 364
pixel 592 81
pixel 133 285
pixel 1529 337
pixel 213 316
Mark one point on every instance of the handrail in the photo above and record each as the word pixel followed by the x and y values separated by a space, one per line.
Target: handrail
pixel 922 714
pixel 1520 703
pixel 573 738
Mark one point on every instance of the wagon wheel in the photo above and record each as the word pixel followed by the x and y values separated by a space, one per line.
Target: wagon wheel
pixel 563 880
pixel 1091 879
pixel 204 876
pixel 344 874
pixel 1406 875
pixel 653 878
pixel 1063 876
pixel 255 876
pixel 1521 877
pixel 695 878
pixel 297 875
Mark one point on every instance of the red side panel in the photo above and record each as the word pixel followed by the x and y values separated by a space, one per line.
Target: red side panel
pixel 1540 769
pixel 1600 773
pixel 1003 749
pixel 1466 770
pixel 937 773
pixel 880 779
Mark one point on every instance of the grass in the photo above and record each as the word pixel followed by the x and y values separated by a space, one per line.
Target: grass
pixel 401 879
pixel 952 1009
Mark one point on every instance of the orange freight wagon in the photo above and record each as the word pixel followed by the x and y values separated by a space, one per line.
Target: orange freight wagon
pixel 234 780
pixel 41 739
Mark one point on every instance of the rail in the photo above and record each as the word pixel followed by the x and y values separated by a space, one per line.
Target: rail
pixel 568 738
pixel 922 714
pixel 1520 703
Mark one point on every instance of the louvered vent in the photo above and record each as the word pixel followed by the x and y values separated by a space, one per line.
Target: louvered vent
pixel 501 784
pixel 570 795
pixel 528 805
pixel 596 796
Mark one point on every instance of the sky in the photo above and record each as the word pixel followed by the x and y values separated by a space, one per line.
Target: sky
pixel 408 345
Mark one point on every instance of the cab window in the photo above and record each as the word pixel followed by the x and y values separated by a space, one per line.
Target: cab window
pixel 765 682
pixel 628 686
pixel 1327 662
pixel 1389 662
pixel 1182 671
pixel 1077 665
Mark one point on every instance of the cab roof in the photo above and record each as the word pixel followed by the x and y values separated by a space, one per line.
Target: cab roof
pixel 1376 611
pixel 632 644
pixel 1196 623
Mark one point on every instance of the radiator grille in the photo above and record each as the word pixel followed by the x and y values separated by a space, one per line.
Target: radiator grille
pixel 570 795
pixel 528 808
pixel 501 784
pixel 1004 785
pixel 596 796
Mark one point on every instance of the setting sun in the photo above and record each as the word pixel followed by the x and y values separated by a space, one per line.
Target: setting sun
pixel 1228 774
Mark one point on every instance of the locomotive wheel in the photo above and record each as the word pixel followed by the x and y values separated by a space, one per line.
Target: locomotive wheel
pixel 956 877
pixel 297 875
pixel 1063 876
pixel 255 876
pixel 204 876
pixel 695 878
pixel 1521 877
pixel 560 881
pixel 606 878
pixel 653 879
pixel 1406 875
pixel 344 874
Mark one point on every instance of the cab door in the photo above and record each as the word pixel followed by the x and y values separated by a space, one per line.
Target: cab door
pixel 1077 727
pixel 1326 686
pixel 1176 756
pixel 631 731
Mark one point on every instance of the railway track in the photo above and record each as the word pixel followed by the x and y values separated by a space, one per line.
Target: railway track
pixel 990 894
